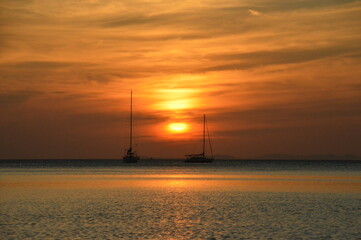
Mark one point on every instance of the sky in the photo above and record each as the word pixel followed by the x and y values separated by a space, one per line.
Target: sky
pixel 272 76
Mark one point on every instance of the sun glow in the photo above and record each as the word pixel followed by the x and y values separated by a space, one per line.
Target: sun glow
pixel 177 127
pixel 175 99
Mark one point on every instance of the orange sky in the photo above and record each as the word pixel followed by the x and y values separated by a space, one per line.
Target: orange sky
pixel 272 77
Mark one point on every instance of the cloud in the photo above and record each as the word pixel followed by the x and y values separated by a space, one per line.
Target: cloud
pixel 295 109
pixel 63 72
pixel 159 19
pixel 38 64
pixel 280 56
pixel 106 119
pixel 18 97
pixel 279 5
pixel 254 12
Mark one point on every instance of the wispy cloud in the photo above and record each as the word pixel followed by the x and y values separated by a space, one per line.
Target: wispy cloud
pixel 282 56
pixel 254 12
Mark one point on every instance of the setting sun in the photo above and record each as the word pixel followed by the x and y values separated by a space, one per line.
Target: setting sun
pixel 177 127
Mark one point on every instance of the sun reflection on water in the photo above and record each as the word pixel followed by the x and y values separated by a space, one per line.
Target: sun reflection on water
pixel 197 182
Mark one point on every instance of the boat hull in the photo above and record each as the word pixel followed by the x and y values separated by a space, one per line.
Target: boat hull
pixel 128 159
pixel 199 160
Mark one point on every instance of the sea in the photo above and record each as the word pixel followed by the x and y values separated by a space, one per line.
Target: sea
pixel 170 199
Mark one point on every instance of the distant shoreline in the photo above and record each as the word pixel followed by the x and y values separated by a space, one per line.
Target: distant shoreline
pixel 170 159
pixel 257 163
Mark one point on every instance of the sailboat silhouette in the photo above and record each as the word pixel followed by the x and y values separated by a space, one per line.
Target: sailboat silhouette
pixel 201 157
pixel 131 156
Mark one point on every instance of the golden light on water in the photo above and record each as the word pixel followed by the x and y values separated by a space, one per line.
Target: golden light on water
pixel 177 127
pixel 249 182
pixel 175 183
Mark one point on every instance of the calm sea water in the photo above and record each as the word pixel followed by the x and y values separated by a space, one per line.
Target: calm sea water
pixel 95 199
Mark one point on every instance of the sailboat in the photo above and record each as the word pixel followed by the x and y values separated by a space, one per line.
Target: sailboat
pixel 130 155
pixel 201 157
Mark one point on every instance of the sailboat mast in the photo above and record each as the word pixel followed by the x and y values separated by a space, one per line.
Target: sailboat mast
pixel 131 118
pixel 204 133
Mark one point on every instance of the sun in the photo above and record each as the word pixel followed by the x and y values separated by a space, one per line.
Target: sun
pixel 177 127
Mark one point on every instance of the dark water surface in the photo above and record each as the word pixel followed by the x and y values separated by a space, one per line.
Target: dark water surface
pixel 160 199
